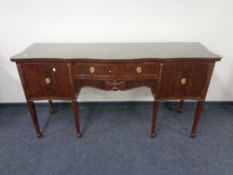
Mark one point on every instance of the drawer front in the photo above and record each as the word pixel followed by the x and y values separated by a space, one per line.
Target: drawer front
pixel 45 80
pixel 115 70
pixel 184 80
pixel 93 70
pixel 142 69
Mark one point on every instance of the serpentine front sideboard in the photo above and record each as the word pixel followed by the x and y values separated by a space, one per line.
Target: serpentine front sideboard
pixel 173 71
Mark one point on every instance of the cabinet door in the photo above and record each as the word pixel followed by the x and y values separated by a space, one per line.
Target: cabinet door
pixel 46 80
pixel 184 80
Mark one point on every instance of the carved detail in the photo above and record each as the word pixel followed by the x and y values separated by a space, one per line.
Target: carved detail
pixel 115 84
pixel 160 71
pixel 155 91
pixel 70 73
pixel 72 88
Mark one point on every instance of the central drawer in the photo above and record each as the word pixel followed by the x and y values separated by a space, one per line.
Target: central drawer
pixel 95 70
pixel 115 70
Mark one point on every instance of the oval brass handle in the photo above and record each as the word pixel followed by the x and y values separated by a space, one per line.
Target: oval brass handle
pixel 139 69
pixel 92 69
pixel 183 81
pixel 47 80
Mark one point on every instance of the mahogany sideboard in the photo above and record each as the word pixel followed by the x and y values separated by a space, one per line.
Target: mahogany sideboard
pixel 173 71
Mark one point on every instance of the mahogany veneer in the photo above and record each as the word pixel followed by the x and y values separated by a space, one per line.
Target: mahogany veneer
pixel 173 71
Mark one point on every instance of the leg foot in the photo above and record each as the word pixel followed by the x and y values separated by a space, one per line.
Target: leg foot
pixel 153 135
pixel 39 135
pixel 192 135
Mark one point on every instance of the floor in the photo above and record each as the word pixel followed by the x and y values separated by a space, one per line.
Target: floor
pixel 116 140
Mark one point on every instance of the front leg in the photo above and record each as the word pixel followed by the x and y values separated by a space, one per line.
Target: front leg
pixel 76 118
pixel 197 117
pixel 154 118
pixel 32 110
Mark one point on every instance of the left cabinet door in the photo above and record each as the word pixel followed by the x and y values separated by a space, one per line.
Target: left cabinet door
pixel 45 80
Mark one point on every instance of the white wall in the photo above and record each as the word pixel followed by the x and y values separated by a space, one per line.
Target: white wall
pixel 23 22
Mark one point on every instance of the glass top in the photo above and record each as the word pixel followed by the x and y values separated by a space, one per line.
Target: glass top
pixel 115 51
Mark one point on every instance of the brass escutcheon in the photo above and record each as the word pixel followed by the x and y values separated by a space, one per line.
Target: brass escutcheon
pixel 183 81
pixel 139 69
pixel 92 69
pixel 47 80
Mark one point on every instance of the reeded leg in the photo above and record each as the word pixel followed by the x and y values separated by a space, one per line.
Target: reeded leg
pixel 181 106
pixel 76 117
pixel 51 109
pixel 154 119
pixel 197 117
pixel 32 110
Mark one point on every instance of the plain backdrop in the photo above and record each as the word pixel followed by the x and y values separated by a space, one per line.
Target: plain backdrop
pixel 23 22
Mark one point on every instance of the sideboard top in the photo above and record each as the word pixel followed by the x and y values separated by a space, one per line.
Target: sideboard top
pixel 115 51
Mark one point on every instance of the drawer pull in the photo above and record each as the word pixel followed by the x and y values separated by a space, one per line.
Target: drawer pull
pixel 47 80
pixel 54 69
pixel 139 69
pixel 183 81
pixel 110 71
pixel 92 69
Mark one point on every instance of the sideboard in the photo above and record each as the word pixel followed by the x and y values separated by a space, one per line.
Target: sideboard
pixel 173 71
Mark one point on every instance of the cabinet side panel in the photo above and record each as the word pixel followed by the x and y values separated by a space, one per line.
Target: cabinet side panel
pixel 45 80
pixel 185 80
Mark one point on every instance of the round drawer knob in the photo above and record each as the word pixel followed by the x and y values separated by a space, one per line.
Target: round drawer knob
pixel 92 69
pixel 47 80
pixel 183 81
pixel 139 69
pixel 110 71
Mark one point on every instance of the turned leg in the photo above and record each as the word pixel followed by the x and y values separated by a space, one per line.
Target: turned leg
pixel 181 106
pixel 51 108
pixel 154 119
pixel 32 110
pixel 76 117
pixel 197 117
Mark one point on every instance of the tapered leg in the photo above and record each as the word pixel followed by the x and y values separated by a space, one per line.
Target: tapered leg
pixel 197 117
pixel 32 110
pixel 154 119
pixel 76 117
pixel 51 109
pixel 181 106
